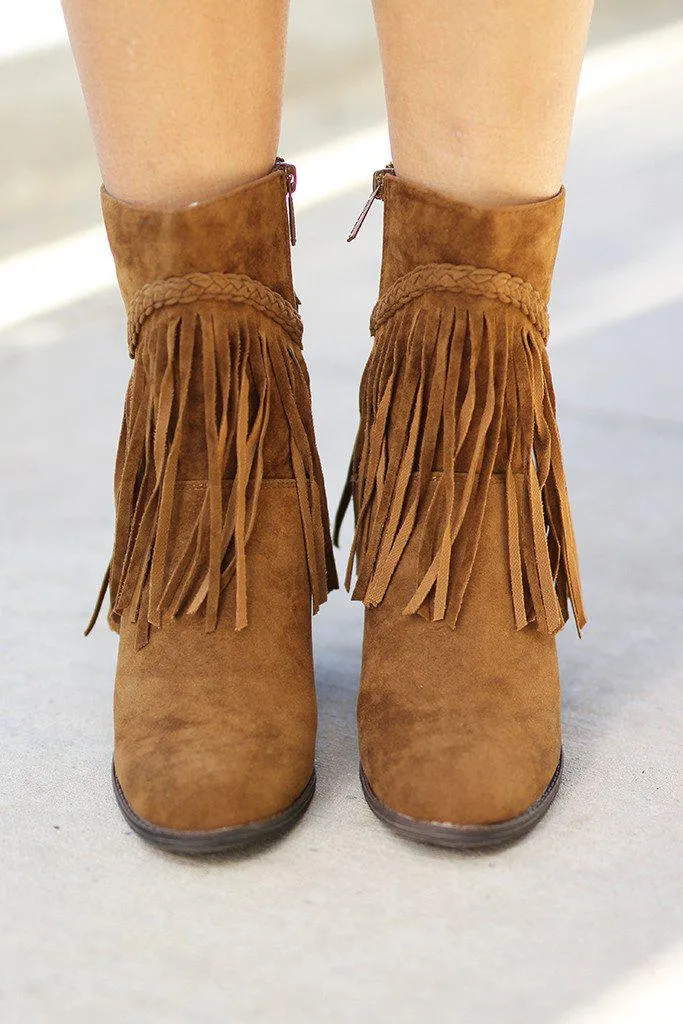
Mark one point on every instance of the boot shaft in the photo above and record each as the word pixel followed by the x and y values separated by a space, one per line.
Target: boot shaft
pixel 423 227
pixel 458 389
pixel 245 232
pixel 218 402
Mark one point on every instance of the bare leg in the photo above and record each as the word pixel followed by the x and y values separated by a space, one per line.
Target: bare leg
pixel 184 98
pixel 480 93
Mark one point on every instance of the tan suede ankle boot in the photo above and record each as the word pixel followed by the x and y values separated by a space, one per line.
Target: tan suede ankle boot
pixel 464 543
pixel 222 539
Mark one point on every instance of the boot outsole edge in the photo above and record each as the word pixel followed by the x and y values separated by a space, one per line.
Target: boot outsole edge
pixel 219 840
pixel 463 837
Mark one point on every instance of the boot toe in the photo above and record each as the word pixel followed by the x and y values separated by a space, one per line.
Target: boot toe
pixel 443 781
pixel 186 785
pixel 201 742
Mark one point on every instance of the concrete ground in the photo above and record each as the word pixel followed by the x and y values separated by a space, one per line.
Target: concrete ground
pixel 340 922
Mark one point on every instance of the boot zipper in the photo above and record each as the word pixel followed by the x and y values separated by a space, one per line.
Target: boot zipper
pixel 290 178
pixel 377 186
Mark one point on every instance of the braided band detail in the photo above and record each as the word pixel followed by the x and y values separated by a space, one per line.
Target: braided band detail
pixel 465 280
pixel 218 287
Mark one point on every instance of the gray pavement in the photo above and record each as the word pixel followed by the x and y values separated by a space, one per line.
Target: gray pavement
pixel 340 922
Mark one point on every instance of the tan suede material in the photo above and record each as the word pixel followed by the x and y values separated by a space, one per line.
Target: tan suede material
pixel 421 226
pixel 218 729
pixel 458 719
pixel 459 725
pixel 244 232
pixel 215 726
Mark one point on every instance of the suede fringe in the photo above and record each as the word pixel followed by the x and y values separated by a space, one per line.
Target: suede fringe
pixel 458 387
pixel 246 349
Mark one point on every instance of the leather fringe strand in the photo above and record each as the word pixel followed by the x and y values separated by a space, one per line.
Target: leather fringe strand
pixel 246 347
pixel 458 387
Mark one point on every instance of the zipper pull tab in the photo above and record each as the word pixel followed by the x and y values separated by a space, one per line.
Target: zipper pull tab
pixel 290 172
pixel 377 185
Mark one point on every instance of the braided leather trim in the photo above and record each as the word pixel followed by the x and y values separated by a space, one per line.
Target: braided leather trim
pixel 466 280
pixel 222 287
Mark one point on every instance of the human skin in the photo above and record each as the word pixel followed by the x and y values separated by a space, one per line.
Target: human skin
pixel 481 93
pixel 184 98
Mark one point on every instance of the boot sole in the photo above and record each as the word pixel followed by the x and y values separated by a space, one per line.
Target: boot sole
pixel 218 840
pixel 463 837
